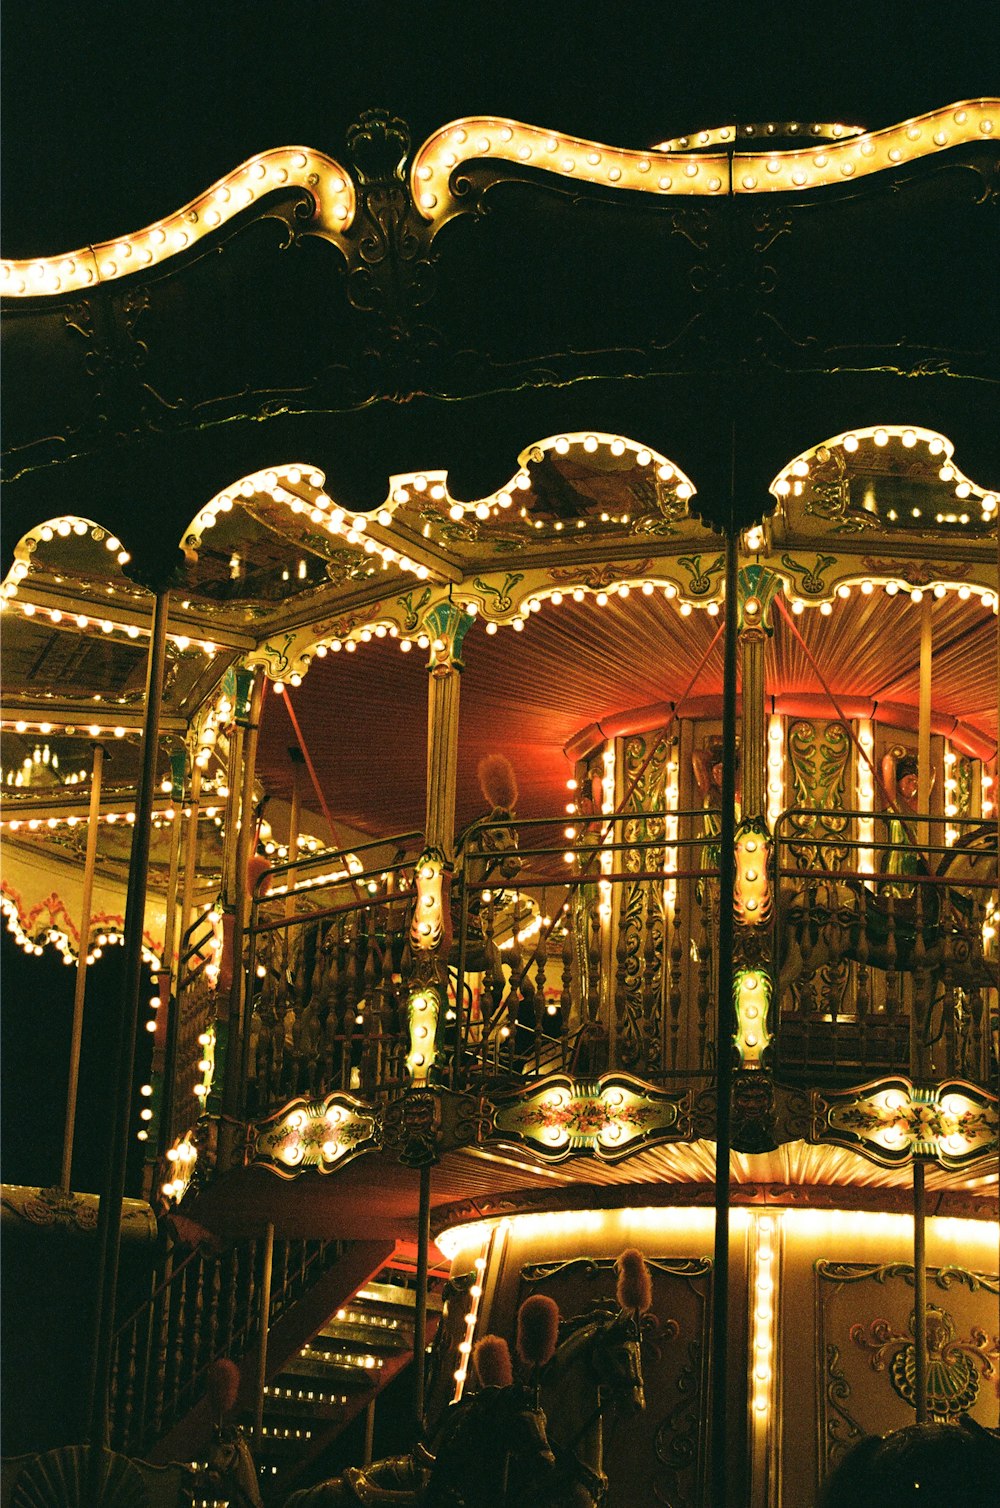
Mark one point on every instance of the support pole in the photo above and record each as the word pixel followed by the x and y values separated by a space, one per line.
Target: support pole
pixel 924 772
pixel 920 1289
pixel 86 906
pixel 262 1334
pixel 191 851
pixel 232 1093
pixel 110 1213
pixel 724 1038
pixel 420 1311
pixel 165 1041
pixel 369 1431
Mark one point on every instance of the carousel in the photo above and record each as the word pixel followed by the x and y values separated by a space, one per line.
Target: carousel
pixel 500 647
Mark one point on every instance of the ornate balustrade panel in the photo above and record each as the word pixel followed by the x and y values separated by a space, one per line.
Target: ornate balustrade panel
pixel 578 948
pixel 328 967
pixel 587 945
pixel 884 945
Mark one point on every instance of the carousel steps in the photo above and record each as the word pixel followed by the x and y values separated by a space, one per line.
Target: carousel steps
pixel 339 1374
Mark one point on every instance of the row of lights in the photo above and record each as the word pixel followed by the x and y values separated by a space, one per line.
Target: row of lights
pixel 57 938
pixel 687 173
pixel 59 616
pixel 623 590
pixel 163 818
pixel 791 479
pixel 106 261
pixel 283 484
pixel 471 1318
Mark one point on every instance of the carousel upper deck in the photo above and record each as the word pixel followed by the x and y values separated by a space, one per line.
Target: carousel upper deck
pixel 581 767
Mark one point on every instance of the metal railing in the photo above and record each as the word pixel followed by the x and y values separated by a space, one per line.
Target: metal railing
pixel 203 1306
pixel 587 946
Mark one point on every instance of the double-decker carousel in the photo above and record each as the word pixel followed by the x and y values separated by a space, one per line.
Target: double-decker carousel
pixel 550 870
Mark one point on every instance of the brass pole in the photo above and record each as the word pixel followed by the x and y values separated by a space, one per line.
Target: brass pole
pixel 924 720
pixel 420 1310
pixel 191 849
pixel 110 1211
pixel 369 1431
pixel 86 906
pixel 920 1289
pixel 262 1334
pixel 165 1046
pixel 232 1087
pixel 723 1042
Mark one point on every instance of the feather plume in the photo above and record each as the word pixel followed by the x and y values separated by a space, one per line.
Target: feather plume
pixel 492 1363
pixel 635 1286
pixel 537 1329
pixel 223 1386
pixel 497 782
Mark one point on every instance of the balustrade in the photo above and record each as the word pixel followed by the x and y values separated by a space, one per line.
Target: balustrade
pixel 203 1306
pixel 596 951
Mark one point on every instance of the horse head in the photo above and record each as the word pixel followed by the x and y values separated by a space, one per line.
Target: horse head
pixel 617 1356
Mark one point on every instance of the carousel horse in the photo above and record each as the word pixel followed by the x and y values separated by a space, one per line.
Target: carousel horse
pixel 487 1451
pixel 916 1465
pixel 596 1368
pixel 827 919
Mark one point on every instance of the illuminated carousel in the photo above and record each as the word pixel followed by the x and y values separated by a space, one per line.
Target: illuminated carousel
pixel 542 819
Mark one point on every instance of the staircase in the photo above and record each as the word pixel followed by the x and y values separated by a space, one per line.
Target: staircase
pixel 323 1387
pixel 340 1329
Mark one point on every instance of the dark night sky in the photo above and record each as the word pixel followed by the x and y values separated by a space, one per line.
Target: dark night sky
pixel 114 113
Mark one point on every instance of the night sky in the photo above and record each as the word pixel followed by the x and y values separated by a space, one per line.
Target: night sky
pixel 115 113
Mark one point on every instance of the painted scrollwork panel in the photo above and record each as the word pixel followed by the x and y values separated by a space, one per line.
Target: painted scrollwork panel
pixel 866 1353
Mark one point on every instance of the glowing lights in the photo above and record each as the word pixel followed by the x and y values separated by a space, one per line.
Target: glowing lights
pixel 866 797
pixel 765 1238
pixel 775 769
pixel 284 167
pixel 472 1315
pixel 703 173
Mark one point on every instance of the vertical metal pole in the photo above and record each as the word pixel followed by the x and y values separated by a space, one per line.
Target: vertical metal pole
pixel 924 718
pixel 723 1040
pixel 420 1311
pixel 262 1334
pixel 191 850
pixel 165 1046
pixel 369 1431
pixel 86 905
pixel 920 1289
pixel 110 1213
pixel 232 1087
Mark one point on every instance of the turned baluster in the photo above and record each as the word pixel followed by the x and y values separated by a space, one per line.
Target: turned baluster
pixel 249 1293
pixel 519 982
pixel 891 976
pixel 593 961
pixel 862 1000
pixel 676 959
pixel 232 1289
pixel 161 1330
pixel 179 1342
pixel 541 953
pixel 566 981
pixel 212 1321
pixel 704 981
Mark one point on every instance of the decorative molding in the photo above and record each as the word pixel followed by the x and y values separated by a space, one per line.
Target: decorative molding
pixel 608 1117
pixel 892 1121
pixel 323 1134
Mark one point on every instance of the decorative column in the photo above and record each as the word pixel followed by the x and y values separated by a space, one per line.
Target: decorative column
pixel 448 626
pixel 757 587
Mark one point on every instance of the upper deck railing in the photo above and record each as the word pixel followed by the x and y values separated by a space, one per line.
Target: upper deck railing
pixel 587 947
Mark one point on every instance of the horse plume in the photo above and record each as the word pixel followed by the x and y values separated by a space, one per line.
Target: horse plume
pixel 223 1386
pixel 492 1363
pixel 635 1286
pixel 537 1329
pixel 497 782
